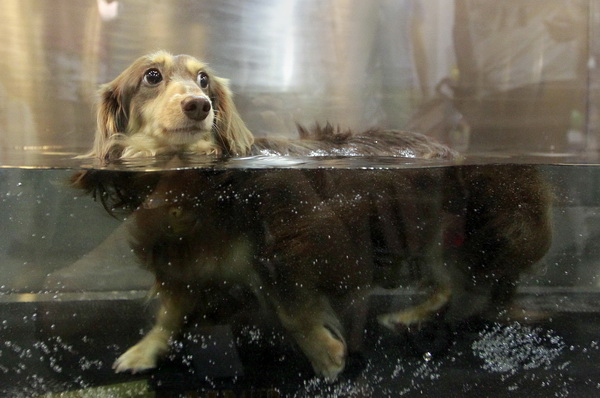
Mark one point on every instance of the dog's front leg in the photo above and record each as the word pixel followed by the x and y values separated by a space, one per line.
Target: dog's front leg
pixel 145 354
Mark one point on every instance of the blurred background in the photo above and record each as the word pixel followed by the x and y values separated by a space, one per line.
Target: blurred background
pixel 501 77
pixel 480 75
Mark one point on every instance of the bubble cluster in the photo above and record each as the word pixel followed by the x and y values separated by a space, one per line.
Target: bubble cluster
pixel 511 348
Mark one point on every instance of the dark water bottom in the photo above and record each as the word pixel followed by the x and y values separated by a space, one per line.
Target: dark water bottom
pixel 62 346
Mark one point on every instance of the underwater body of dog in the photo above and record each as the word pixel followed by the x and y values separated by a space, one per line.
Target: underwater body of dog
pixel 312 242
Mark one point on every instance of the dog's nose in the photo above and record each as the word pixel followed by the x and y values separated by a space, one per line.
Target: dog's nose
pixel 196 107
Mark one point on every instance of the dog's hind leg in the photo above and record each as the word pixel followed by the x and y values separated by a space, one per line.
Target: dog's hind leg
pixel 317 330
pixel 438 275
pixel 438 299
pixel 145 354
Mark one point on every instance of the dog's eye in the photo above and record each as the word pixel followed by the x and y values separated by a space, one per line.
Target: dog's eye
pixel 202 79
pixel 152 77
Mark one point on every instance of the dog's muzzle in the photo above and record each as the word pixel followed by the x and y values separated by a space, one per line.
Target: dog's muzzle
pixel 196 107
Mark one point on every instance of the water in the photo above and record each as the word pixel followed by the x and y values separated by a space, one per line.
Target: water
pixel 72 293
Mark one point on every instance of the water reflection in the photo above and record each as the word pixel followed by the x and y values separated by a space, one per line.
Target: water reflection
pixel 310 243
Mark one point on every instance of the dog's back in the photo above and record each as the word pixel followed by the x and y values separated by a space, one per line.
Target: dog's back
pixel 333 141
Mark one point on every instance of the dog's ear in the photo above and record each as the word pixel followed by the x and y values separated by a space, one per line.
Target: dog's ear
pixel 111 117
pixel 231 133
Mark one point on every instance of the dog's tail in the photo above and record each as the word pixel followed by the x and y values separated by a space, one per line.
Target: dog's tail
pixel 328 133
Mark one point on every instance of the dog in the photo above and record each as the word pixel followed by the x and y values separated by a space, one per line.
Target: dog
pixel 165 104
pixel 310 243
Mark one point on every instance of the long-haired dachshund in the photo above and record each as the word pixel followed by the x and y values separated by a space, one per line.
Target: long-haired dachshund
pixel 175 104
pixel 311 243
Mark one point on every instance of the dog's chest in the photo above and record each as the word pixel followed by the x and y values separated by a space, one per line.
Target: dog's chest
pixel 233 263
pixel 220 263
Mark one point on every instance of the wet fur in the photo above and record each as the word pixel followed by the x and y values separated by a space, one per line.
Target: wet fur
pixel 135 119
pixel 311 243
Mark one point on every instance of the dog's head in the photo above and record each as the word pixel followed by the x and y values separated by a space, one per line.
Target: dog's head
pixel 165 103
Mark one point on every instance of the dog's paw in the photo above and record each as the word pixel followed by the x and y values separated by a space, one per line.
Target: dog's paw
pixel 133 152
pixel 418 314
pixel 401 320
pixel 327 355
pixel 138 358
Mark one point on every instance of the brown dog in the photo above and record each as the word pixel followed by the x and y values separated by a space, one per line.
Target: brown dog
pixel 309 242
pixel 165 104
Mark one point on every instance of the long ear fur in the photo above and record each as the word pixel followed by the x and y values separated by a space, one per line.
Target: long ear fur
pixel 112 113
pixel 111 119
pixel 231 132
pixel 112 116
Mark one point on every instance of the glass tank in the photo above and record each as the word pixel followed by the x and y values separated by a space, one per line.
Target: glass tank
pixel 384 198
